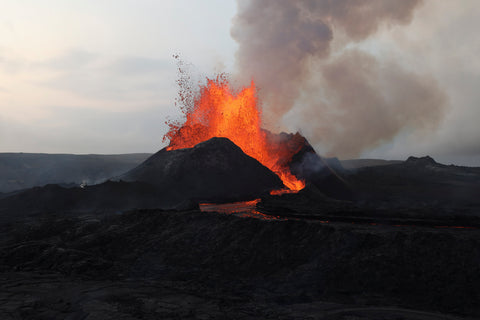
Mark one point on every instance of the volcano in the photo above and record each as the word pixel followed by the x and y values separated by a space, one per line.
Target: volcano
pixel 217 170
pixel 221 152
pixel 220 111
pixel 213 170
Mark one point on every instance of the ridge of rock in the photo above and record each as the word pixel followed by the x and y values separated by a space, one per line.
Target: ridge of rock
pixel 422 161
pixel 214 170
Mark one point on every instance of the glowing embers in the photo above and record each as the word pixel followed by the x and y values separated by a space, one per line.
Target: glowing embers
pixel 219 111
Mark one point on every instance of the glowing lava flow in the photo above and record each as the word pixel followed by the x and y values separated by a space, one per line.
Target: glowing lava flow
pixel 219 112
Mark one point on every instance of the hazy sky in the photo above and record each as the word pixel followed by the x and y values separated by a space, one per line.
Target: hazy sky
pixel 98 76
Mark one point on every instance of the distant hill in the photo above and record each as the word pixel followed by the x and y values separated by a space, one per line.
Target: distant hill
pixel 26 170
pixel 360 163
pixel 418 182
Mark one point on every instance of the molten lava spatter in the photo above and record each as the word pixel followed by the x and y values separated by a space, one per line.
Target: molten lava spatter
pixel 219 112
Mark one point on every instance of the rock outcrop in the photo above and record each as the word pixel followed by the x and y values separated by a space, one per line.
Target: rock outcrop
pixel 214 170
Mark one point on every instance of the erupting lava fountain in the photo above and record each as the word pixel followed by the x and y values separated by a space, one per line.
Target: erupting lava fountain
pixel 219 111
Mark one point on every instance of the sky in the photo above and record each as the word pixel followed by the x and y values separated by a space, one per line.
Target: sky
pixel 99 76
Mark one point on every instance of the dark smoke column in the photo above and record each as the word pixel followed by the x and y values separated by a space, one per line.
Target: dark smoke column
pixel 287 47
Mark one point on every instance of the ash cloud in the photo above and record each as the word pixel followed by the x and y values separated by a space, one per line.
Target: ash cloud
pixel 366 103
pixel 303 58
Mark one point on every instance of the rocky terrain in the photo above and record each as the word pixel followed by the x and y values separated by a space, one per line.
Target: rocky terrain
pixel 150 264
pixel 394 241
pixel 418 182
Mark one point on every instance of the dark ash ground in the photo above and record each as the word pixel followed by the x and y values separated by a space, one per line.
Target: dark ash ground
pixel 406 246
pixel 196 265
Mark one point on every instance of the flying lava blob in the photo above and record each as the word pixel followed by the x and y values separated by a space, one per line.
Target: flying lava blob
pixel 218 111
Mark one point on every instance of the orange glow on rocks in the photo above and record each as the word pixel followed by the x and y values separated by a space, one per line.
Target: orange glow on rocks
pixel 218 111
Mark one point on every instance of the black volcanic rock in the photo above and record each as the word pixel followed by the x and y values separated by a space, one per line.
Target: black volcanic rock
pixel 422 161
pixel 214 170
pixel 106 197
pixel 307 165
pixel 151 264
pixel 334 164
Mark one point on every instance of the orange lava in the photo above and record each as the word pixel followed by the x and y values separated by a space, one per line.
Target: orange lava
pixel 234 205
pixel 218 111
pixel 244 209
pixel 282 191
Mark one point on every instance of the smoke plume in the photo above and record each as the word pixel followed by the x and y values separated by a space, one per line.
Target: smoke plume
pixel 300 54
